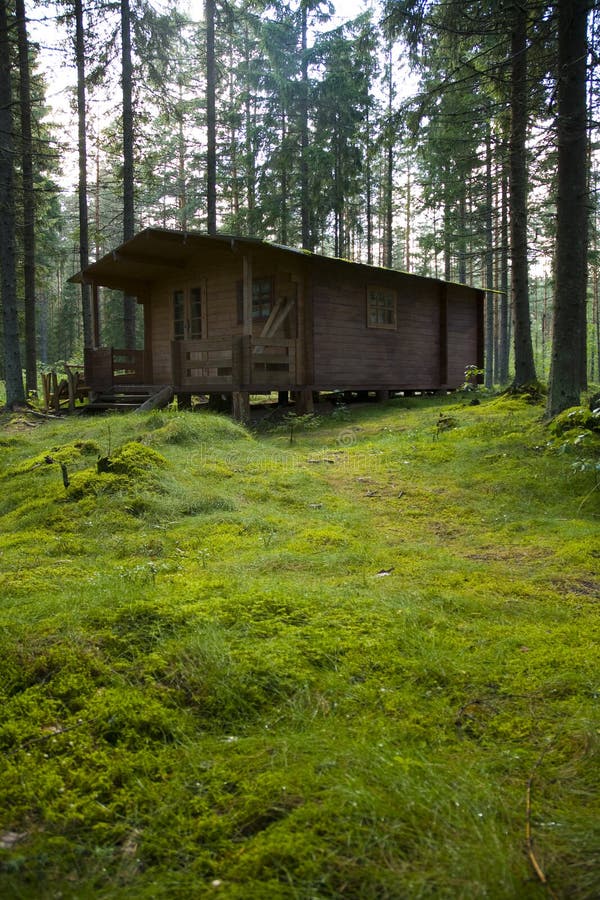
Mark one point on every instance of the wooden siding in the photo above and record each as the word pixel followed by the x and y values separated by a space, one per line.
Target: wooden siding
pixel 463 335
pixel 349 354
pixel 324 342
pixel 220 279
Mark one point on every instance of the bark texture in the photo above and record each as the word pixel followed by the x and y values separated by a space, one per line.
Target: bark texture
pixel 8 281
pixel 524 363
pixel 568 362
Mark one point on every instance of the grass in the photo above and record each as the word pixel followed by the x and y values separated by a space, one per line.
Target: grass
pixel 235 666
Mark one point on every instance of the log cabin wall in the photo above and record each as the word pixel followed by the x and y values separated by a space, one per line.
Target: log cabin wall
pixel 322 335
pixel 464 333
pixel 219 277
pixel 434 338
pixel 350 354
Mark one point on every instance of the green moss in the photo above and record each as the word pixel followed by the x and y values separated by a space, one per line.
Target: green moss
pixel 577 417
pixel 228 668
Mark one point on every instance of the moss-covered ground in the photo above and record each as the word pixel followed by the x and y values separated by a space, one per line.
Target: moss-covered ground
pixel 364 664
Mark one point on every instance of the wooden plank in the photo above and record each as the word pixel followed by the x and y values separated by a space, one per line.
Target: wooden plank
pixel 272 342
pixel 95 317
pixel 202 346
pixel 279 314
pixel 157 400
pixel 148 361
pixel 443 335
pixel 271 359
pixel 247 294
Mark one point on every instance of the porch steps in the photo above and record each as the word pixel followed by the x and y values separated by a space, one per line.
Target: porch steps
pixel 129 398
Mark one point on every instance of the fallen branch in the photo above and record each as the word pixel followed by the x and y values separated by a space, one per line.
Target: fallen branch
pixel 528 834
pixel 41 415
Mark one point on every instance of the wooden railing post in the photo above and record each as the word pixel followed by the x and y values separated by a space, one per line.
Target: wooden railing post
pixel 241 370
pixel 241 359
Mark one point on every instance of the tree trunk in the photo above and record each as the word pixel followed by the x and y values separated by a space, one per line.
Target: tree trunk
pixel 489 265
pixel 462 235
pixel 8 277
pixel 447 231
pixel 128 177
pixel 181 173
pixel 305 218
pixel 504 342
pixel 84 241
pixel 284 207
pixel 368 188
pixel 28 200
pixel 407 239
pixel 524 364
pixel 211 119
pixel 568 363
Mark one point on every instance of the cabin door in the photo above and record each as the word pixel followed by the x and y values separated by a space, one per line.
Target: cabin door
pixel 189 313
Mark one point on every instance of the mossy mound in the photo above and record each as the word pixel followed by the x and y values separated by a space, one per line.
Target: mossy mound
pixel 132 459
pixel 532 393
pixel 66 454
pixel 577 417
pixel 164 427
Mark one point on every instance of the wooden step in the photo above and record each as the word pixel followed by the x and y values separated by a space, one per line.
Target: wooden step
pixel 125 399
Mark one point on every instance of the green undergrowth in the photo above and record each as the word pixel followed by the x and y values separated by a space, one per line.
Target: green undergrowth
pixel 362 664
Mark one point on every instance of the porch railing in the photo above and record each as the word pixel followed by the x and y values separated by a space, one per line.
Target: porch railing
pixel 235 362
pixel 107 366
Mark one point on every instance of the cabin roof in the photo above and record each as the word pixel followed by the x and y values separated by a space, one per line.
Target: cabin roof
pixel 158 252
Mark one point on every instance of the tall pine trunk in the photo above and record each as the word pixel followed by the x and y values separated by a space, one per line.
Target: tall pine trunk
pixel 504 317
pixel 388 254
pixel 407 237
pixel 13 374
pixel 489 264
pixel 305 216
pixel 129 303
pixel 369 189
pixel 524 364
pixel 568 363
pixel 84 241
pixel 28 199
pixel 284 184
pixel 211 119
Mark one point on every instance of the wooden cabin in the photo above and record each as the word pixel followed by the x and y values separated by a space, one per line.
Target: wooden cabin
pixel 242 316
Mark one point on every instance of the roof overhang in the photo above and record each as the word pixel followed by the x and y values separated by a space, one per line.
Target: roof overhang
pixel 152 254
pixel 157 253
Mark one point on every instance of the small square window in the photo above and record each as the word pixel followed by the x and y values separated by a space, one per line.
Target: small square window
pixel 381 308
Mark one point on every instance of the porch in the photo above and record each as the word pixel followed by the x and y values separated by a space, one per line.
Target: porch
pixel 221 364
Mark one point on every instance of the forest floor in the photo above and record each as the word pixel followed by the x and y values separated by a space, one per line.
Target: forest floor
pixel 360 663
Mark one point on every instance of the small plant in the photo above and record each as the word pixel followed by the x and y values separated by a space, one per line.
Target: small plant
pixel 472 375
pixel 291 423
pixel 341 413
pixel 267 537
pixel 204 555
